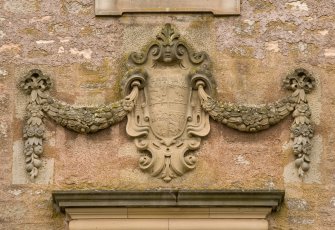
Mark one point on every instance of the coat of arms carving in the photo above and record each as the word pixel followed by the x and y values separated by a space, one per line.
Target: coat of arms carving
pixel 168 102
pixel 167 121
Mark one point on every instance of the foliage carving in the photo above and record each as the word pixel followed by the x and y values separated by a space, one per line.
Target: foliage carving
pixel 301 82
pixel 34 84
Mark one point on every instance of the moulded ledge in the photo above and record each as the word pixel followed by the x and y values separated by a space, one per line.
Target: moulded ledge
pixel 170 198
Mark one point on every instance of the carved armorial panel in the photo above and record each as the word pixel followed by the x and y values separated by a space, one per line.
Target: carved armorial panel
pixel 167 101
pixel 167 121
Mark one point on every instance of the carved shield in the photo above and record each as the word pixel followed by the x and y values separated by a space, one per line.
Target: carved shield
pixel 168 97
pixel 167 122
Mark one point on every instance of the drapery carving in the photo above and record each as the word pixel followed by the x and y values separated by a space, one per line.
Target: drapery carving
pixel 168 101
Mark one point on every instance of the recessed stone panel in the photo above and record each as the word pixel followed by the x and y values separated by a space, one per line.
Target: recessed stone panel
pixel 118 7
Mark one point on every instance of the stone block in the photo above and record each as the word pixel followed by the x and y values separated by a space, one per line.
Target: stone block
pixel 21 6
pixel 301 221
pixel 297 204
pixel 3 72
pixel 3 129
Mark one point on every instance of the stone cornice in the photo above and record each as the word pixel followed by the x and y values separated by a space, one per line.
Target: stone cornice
pixel 168 198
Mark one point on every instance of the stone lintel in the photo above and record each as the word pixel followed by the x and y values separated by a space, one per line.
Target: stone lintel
pixel 118 7
pixel 168 199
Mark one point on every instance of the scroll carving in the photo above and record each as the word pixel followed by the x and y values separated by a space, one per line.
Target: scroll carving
pixel 167 101
pixel 168 122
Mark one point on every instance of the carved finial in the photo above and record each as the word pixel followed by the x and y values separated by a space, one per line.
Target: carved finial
pixel 167 49
pixel 35 80
pixel 167 35
pixel 300 79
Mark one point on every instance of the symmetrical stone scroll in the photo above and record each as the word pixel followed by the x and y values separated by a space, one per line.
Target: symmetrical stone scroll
pixel 167 101
pixel 168 122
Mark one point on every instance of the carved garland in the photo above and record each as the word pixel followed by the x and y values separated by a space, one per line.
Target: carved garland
pixel 78 119
pixel 167 155
pixel 253 119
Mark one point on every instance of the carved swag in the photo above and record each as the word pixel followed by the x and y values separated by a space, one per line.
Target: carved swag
pixel 167 100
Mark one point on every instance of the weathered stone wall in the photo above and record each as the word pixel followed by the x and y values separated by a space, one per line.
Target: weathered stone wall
pixel 84 55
